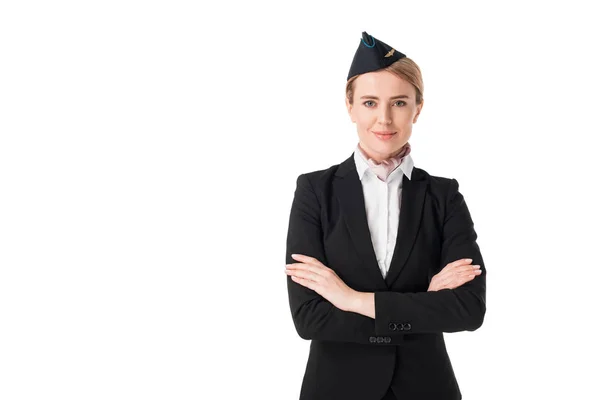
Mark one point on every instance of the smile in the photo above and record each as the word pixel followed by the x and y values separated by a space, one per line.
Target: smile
pixel 384 135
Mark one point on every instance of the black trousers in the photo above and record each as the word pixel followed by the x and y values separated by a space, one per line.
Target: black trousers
pixel 389 395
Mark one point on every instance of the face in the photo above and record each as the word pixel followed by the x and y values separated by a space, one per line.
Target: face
pixel 384 109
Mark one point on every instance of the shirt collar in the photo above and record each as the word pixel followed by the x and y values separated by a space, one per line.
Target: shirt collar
pixel 406 166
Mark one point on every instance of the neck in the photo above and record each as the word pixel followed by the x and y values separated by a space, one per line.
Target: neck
pixel 378 157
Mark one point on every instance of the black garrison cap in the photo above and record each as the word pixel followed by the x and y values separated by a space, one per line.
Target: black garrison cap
pixel 371 55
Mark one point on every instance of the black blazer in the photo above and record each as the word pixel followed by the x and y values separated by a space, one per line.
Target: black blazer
pixel 354 357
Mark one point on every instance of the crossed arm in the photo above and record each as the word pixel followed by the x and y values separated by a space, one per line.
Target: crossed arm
pixel 362 316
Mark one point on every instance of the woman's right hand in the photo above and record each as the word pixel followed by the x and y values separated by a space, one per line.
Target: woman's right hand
pixel 454 275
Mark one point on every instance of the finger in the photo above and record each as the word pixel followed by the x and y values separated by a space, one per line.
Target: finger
pixel 452 267
pixel 304 282
pixel 307 267
pixel 454 280
pixel 304 275
pixel 474 272
pixel 296 266
pixel 460 262
pixel 468 277
pixel 303 258
pixel 454 272
pixel 467 268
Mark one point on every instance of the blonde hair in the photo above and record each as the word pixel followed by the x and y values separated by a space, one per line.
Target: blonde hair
pixel 404 68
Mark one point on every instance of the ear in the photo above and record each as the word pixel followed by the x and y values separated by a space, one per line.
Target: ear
pixel 349 108
pixel 419 108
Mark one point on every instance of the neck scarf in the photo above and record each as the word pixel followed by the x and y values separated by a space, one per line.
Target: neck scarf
pixel 387 166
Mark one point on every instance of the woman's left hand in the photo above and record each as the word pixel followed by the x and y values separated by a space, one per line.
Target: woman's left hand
pixel 311 273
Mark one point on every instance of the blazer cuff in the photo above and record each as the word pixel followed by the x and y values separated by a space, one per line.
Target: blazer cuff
pixel 385 324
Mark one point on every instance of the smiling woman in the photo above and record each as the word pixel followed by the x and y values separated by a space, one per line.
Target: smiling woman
pixel 379 252
pixel 388 102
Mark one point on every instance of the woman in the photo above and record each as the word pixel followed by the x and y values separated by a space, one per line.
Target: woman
pixel 367 240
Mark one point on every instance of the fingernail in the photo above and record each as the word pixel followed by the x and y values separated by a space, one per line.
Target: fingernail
pixel 468 259
pixel 476 266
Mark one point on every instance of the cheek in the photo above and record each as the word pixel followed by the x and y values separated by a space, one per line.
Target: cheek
pixel 405 115
pixel 365 120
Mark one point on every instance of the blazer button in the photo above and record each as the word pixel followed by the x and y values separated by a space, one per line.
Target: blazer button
pixel 387 339
pixel 372 339
pixel 379 339
pixel 392 326
pixel 407 326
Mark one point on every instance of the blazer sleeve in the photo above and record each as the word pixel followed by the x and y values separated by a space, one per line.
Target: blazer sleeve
pixel 447 310
pixel 314 316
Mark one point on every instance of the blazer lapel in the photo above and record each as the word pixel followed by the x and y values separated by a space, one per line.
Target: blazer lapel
pixel 349 192
pixel 411 210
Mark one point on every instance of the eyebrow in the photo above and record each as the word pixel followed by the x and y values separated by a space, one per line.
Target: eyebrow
pixel 402 96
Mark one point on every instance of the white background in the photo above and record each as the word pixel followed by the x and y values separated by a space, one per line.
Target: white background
pixel 149 153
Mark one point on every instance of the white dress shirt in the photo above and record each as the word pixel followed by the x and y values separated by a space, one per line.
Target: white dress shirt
pixel 382 203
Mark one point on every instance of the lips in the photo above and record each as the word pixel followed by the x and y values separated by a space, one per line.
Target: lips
pixel 383 132
pixel 384 135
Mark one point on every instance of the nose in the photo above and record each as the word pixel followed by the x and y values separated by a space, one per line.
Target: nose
pixel 384 116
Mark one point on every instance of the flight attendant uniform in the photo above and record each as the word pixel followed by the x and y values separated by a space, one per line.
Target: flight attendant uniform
pixel 385 228
pixel 382 191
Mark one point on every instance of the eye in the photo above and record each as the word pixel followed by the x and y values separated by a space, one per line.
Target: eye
pixel 368 101
pixel 400 101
